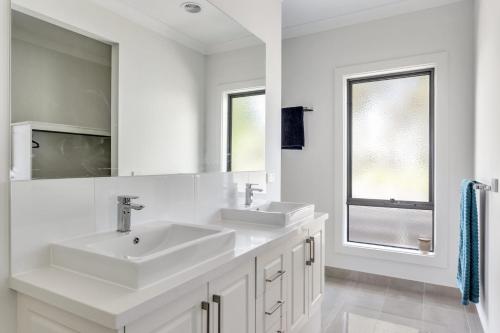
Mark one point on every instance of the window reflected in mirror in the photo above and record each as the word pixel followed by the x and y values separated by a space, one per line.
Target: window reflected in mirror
pixel 246 142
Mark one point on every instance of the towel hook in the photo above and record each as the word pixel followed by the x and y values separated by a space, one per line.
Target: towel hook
pixel 484 187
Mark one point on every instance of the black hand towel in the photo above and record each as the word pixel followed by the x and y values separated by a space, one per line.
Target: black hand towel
pixel 292 128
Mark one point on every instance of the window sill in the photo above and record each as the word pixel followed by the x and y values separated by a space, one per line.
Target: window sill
pixel 389 249
pixel 406 256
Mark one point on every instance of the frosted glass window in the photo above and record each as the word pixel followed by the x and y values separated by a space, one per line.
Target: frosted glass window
pixel 390 138
pixel 246 131
pixel 390 164
pixel 389 226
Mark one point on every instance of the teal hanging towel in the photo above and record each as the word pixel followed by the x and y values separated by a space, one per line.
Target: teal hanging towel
pixel 468 260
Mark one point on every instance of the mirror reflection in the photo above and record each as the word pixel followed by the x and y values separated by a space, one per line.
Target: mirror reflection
pixel 170 87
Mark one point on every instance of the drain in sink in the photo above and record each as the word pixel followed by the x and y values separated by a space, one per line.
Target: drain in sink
pixel 137 240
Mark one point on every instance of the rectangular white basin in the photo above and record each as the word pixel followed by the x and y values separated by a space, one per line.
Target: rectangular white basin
pixel 271 213
pixel 149 253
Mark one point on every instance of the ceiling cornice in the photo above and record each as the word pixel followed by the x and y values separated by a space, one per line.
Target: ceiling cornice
pixel 372 14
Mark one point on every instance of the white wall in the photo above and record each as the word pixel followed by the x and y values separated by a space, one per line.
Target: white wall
pixel 160 87
pixel 487 157
pixel 7 299
pixel 308 79
pixel 46 60
pixel 240 69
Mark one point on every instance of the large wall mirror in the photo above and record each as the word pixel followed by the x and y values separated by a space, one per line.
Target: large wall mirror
pixel 165 87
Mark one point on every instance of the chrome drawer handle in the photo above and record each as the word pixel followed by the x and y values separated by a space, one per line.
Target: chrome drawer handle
pixel 275 308
pixel 206 306
pixel 313 247
pixel 310 261
pixel 275 276
pixel 217 300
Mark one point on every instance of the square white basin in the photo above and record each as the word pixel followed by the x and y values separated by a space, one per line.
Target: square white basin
pixel 273 213
pixel 149 253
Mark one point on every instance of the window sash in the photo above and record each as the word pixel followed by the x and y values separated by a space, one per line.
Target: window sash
pixel 392 202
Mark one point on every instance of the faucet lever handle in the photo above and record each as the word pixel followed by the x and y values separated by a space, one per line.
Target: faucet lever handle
pixel 125 199
pixel 249 185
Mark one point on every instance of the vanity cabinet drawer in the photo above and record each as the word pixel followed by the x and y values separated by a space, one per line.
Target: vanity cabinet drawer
pixel 270 271
pixel 277 328
pixel 273 314
pixel 271 291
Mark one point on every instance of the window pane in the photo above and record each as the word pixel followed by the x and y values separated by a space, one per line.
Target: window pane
pixel 248 141
pixel 389 226
pixel 390 139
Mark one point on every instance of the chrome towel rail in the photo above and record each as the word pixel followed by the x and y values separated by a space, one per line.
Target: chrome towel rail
pixel 484 187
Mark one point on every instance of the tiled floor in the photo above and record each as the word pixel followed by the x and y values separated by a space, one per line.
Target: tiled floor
pixel 376 304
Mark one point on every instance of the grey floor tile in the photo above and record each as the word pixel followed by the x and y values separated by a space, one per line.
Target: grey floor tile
pixel 354 319
pixel 403 308
pixel 442 296
pixel 429 327
pixel 402 324
pixel 373 287
pixel 370 301
pixel 471 308
pixel 474 323
pixel 373 280
pixel 453 320
pixel 406 290
pixel 374 304
pixel 340 273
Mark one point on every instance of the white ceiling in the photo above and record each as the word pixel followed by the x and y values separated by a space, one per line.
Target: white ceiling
pixel 212 31
pixel 208 31
pixel 301 17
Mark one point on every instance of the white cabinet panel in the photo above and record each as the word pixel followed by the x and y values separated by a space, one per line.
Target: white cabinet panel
pixel 317 270
pixel 185 315
pixel 298 282
pixel 40 324
pixel 233 301
pixel 186 322
pixel 34 316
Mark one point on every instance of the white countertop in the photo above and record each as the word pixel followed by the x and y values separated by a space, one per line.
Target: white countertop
pixel 114 306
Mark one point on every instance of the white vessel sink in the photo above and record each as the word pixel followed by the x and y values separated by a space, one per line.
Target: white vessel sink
pixel 149 253
pixel 273 213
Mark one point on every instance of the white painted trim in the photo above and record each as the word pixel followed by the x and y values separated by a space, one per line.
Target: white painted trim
pixel 439 61
pixel 377 13
pixel 62 128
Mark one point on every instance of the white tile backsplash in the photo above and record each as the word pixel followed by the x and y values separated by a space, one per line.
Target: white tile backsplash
pixel 259 178
pixel 46 211
pixel 177 198
pixel 169 197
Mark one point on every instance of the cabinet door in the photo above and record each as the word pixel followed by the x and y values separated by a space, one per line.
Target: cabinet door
pixel 317 269
pixel 298 291
pixel 185 315
pixel 233 300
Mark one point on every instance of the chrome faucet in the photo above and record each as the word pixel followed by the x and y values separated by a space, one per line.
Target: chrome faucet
pixel 124 208
pixel 249 193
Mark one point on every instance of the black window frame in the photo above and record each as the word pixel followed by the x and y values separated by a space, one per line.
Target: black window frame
pixel 392 202
pixel 230 98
